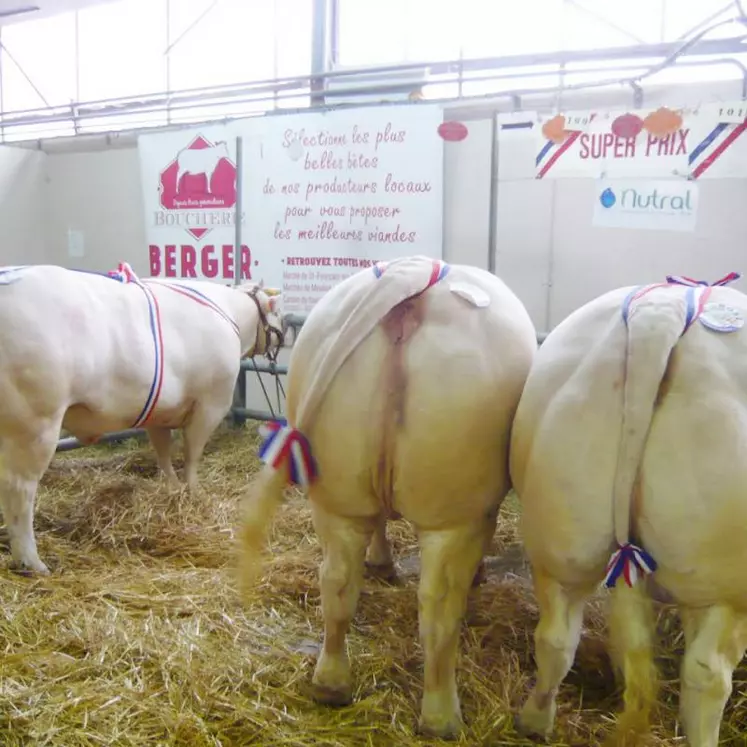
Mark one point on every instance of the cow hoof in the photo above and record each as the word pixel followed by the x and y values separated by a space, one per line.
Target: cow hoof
pixel 29 569
pixel 331 697
pixel 440 729
pixel 386 572
pixel 532 722
pixel 481 576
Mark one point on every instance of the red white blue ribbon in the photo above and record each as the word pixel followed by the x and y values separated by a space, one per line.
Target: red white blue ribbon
pixel 713 146
pixel 125 274
pixel 11 273
pixel 551 152
pixel 283 444
pixel 439 270
pixel 200 298
pixel 631 562
pixel 684 280
pixel 697 294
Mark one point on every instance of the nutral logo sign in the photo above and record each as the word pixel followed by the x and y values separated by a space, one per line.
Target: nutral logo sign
pixel 653 201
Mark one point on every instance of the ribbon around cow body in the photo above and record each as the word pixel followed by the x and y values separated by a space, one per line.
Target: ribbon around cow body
pixel 697 294
pixel 629 561
pixel 285 445
pixel 125 274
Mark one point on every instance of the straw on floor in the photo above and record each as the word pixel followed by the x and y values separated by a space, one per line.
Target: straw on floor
pixel 140 636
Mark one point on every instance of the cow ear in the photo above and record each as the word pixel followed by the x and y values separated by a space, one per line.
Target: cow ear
pixel 274 302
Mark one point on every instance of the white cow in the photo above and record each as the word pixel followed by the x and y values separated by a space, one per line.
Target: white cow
pixel 91 354
pixel 198 161
pixel 406 399
pixel 630 439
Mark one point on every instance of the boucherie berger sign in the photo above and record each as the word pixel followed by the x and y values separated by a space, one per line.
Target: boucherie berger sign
pixel 701 142
pixel 189 185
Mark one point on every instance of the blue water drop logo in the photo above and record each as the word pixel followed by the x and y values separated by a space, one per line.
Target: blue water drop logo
pixel 607 198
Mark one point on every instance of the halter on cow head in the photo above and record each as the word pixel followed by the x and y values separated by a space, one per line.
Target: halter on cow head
pixel 270 335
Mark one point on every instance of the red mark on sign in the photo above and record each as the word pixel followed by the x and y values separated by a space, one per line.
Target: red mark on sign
pixel 452 132
pixel 627 126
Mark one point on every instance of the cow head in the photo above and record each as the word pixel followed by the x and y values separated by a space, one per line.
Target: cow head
pixel 222 147
pixel 270 330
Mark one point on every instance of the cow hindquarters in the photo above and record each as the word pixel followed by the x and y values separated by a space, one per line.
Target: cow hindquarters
pixel 344 541
pixel 24 458
pixel 449 560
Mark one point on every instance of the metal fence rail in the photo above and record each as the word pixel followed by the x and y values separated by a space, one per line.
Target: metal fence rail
pixel 239 412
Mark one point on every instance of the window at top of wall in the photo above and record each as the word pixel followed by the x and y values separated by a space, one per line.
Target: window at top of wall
pixel 238 41
pixel 381 32
pixel 680 18
pixel 122 49
pixel 38 63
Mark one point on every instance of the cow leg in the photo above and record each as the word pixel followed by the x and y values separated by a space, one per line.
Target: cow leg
pixel 379 562
pixel 344 543
pixel 160 438
pixel 715 641
pixel 556 639
pixel 197 432
pixel 492 521
pixel 23 461
pixel 448 563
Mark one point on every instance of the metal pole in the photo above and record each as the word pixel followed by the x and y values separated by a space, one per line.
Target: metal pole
pixel 320 48
pixel 191 26
pixel 2 91
pixel 551 255
pixel 238 210
pixel 493 206
pixel 167 56
pixel 238 415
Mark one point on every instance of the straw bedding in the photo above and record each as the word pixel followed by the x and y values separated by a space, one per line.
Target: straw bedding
pixel 140 637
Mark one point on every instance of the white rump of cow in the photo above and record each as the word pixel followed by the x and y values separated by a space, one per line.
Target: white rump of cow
pixel 197 161
pixel 627 454
pixel 402 387
pixel 88 353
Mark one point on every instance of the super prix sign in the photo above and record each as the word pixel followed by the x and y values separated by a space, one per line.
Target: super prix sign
pixel 703 142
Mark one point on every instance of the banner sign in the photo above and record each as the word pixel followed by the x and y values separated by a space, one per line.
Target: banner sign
pixel 189 190
pixel 328 193
pixel 705 142
pixel 663 204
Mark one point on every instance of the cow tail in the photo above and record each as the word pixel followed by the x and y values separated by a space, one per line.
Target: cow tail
pixel 653 330
pixel 262 499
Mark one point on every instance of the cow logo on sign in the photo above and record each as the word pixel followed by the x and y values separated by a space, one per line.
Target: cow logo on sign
pixel 198 188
